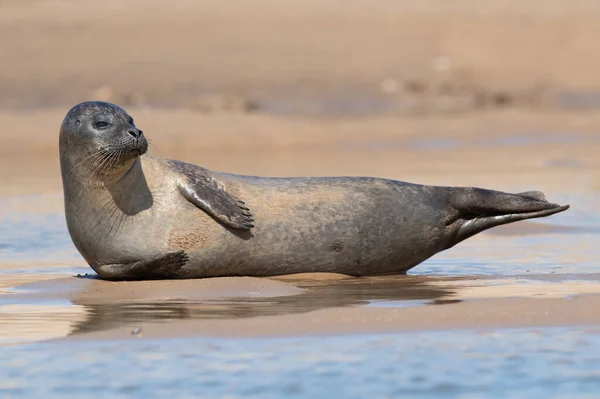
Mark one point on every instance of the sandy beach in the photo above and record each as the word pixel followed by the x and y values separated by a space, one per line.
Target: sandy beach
pixel 500 95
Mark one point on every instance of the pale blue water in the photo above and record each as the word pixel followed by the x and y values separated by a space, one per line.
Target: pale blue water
pixel 520 363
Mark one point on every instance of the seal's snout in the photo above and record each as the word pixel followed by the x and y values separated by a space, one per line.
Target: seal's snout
pixel 136 133
pixel 141 144
pixel 139 141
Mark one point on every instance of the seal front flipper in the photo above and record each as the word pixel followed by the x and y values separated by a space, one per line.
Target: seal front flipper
pixel 165 265
pixel 206 192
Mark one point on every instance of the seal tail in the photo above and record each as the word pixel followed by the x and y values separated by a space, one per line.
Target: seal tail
pixel 479 209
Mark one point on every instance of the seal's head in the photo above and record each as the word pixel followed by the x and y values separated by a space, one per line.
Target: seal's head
pixel 99 140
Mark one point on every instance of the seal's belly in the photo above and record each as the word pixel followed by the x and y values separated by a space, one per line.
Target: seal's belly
pixel 323 228
pixel 192 230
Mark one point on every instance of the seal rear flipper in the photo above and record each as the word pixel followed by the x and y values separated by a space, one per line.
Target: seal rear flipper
pixel 536 195
pixel 477 201
pixel 478 209
pixel 470 227
pixel 165 265
pixel 208 194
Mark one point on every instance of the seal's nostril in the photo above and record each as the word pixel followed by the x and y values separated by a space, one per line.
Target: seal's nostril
pixel 140 132
pixel 135 133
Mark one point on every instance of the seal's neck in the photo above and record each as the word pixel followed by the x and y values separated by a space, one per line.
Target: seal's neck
pixel 130 192
pixel 120 173
pixel 97 173
pixel 126 190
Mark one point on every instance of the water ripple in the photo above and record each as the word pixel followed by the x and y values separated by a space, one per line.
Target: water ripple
pixel 521 363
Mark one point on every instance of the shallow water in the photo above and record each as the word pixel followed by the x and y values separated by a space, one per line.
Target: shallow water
pixel 519 363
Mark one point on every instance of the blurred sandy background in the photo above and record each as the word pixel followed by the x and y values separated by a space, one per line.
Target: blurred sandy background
pixel 168 53
pixel 298 87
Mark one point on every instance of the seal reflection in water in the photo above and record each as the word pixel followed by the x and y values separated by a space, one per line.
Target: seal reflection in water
pixel 135 216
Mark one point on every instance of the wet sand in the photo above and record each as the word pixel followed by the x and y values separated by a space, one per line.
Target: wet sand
pixel 516 148
pixel 491 314
pixel 299 305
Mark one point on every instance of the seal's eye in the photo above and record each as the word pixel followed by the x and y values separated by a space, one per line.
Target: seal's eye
pixel 100 125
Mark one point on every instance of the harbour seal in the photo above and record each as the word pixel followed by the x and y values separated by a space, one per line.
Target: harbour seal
pixel 135 216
